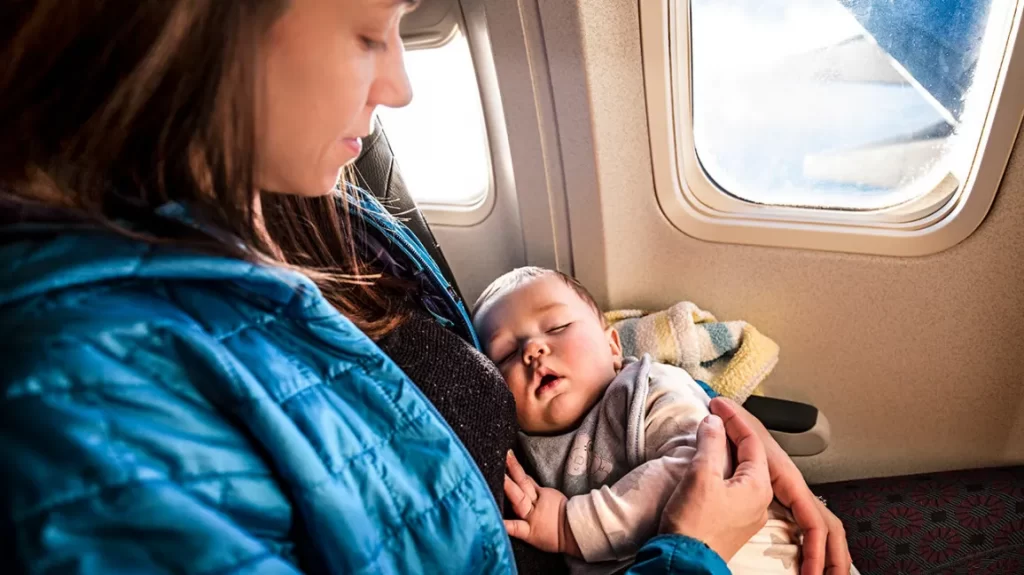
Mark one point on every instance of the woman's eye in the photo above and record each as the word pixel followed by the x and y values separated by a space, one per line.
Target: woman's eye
pixel 375 45
pixel 559 328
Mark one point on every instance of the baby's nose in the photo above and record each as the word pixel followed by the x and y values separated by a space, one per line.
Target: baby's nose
pixel 534 351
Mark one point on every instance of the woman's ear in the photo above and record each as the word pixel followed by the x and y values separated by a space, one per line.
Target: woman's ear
pixel 616 346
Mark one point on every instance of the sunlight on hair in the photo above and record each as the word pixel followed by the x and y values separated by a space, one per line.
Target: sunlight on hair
pixel 440 139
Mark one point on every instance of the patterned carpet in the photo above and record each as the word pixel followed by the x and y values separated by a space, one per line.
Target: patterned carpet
pixel 963 522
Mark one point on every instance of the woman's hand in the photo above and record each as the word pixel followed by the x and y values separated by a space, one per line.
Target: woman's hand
pixel 824 545
pixel 542 521
pixel 722 512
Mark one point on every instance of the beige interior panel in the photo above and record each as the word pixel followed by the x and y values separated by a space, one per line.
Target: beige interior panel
pixel 431 24
pixel 529 221
pixel 480 252
pixel 917 362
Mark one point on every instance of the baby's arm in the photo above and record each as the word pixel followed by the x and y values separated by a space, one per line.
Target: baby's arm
pixel 612 522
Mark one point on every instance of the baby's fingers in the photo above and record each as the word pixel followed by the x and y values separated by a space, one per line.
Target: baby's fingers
pixel 518 474
pixel 517 528
pixel 515 470
pixel 512 491
pixel 521 504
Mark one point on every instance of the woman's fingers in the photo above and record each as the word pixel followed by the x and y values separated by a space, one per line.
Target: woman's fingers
pixel 812 551
pixel 712 452
pixel 837 556
pixel 751 461
pixel 837 551
pixel 808 518
pixel 517 528
pixel 722 407
pixel 737 429
pixel 824 540
pixel 838 570
pixel 723 513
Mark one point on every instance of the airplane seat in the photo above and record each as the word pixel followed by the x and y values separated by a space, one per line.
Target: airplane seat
pixel 377 172
pixel 958 522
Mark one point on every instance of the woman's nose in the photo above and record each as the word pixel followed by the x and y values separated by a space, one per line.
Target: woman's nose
pixel 391 87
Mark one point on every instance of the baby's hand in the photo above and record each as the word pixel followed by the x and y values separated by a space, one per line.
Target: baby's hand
pixel 541 510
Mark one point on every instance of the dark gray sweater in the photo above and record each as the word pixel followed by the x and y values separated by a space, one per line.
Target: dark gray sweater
pixel 468 391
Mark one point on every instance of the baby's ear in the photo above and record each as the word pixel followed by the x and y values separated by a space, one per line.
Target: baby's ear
pixel 616 346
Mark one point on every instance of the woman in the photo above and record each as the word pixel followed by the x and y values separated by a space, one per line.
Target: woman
pixel 189 379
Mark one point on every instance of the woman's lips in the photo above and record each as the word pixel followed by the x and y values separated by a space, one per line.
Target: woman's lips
pixel 353 144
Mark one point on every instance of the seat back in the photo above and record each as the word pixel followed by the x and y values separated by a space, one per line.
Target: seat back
pixel 377 171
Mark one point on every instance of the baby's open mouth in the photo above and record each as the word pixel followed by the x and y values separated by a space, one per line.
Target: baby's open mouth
pixel 547 382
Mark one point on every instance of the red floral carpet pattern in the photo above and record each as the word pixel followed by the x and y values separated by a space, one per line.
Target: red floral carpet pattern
pixel 964 522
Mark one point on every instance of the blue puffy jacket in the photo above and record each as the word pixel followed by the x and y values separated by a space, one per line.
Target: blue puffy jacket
pixel 171 412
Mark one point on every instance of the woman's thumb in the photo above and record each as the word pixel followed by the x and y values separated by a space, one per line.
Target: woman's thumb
pixel 712 451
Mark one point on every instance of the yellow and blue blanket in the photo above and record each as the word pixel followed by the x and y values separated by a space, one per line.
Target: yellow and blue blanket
pixel 732 357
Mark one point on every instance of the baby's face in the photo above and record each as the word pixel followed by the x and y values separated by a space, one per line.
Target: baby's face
pixel 552 350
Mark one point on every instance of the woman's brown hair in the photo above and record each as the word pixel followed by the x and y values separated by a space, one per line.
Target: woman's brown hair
pixel 111 108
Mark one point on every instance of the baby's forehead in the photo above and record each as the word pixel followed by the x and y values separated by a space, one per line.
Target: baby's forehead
pixel 528 298
pixel 539 294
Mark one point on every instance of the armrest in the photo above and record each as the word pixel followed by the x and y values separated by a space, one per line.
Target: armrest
pixel 798 427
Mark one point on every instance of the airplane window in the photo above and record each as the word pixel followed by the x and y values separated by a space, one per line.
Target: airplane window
pixel 840 104
pixel 440 139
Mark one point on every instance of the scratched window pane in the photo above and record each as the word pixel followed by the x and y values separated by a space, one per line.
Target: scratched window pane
pixel 840 104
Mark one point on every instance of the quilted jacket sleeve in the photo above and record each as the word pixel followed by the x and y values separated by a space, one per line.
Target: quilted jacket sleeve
pixel 677 555
pixel 92 483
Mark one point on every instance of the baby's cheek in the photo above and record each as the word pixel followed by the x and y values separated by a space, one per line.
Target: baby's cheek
pixel 528 419
pixel 522 405
pixel 517 388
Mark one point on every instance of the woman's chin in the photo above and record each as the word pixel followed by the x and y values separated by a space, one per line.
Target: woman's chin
pixel 327 184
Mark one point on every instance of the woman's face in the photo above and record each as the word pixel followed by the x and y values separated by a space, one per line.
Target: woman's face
pixel 325 66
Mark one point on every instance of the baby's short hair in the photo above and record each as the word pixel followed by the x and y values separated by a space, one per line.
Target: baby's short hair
pixel 520 276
